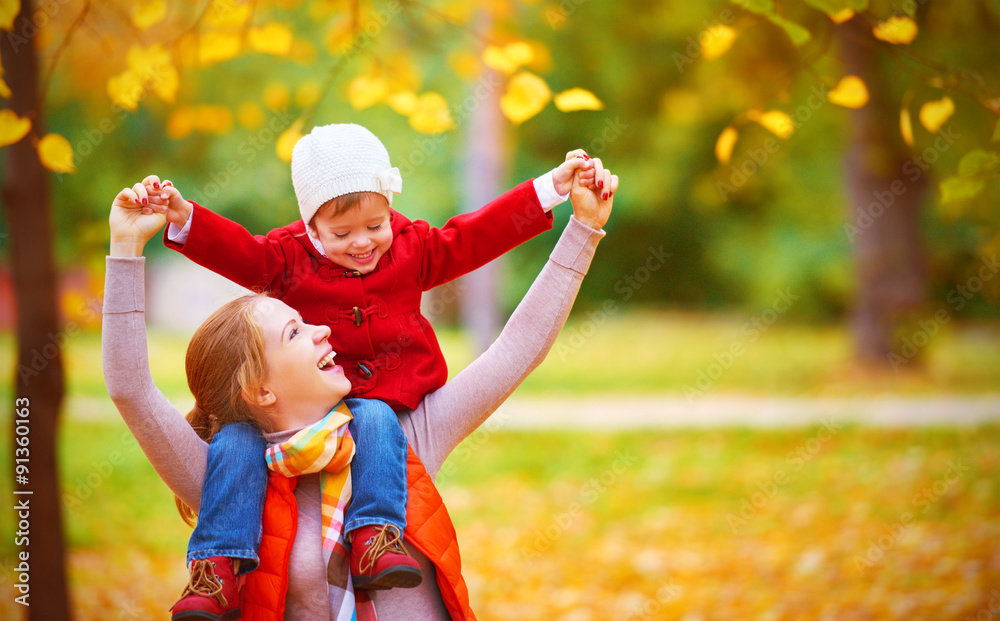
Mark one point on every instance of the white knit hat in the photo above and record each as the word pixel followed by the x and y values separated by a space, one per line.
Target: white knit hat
pixel 334 160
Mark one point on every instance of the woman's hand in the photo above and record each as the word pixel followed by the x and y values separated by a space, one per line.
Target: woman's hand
pixel 165 198
pixel 133 222
pixel 577 163
pixel 592 195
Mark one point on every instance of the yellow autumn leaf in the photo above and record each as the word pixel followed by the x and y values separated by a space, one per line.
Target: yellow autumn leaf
pixel 725 143
pixel 5 91
pixel 272 38
pixel 465 64
pixel 8 12
pixel 276 96
pixel 430 114
pixel 340 37
pixel 125 89
pixel 906 126
pixel 402 72
pixel 541 60
pixel 842 16
pixel 144 59
pixel 287 139
pixel 509 58
pixel 148 12
pixel 776 121
pixel 12 127
pixel 366 91
pixel 519 52
pixel 217 46
pixel 716 41
pixel 181 122
pixel 308 93
pixel 56 154
pixel 249 115
pixel 303 52
pixel 154 68
pixel 403 102
pixel 494 58
pixel 459 11
pixel 850 92
pixel 213 119
pixel 167 83
pixel 577 99
pixel 526 95
pixel 934 114
pixel 227 13
pixel 186 49
pixel 898 30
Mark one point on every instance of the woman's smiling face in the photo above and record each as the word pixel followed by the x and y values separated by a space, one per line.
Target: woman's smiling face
pixel 302 376
pixel 358 237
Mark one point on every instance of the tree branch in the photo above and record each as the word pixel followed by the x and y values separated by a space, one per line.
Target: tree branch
pixel 47 81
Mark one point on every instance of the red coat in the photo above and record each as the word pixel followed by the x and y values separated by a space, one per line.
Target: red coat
pixel 428 528
pixel 386 346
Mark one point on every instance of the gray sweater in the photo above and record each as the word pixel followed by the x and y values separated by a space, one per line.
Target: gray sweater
pixel 442 420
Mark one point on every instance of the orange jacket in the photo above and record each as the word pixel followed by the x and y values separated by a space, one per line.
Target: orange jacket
pixel 428 528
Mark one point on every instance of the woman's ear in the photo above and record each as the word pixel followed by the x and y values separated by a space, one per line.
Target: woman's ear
pixel 262 398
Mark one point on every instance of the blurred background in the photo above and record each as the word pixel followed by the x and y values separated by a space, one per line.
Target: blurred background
pixel 777 395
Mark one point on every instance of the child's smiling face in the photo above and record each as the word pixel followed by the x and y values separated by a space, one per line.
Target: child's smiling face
pixel 358 237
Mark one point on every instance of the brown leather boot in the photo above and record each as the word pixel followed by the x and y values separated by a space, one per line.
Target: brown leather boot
pixel 379 561
pixel 211 592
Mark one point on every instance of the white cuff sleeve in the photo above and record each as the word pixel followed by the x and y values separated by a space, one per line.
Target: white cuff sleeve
pixel 545 188
pixel 179 235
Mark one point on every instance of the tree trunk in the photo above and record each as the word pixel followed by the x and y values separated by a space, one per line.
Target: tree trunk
pixel 886 192
pixel 483 175
pixel 39 382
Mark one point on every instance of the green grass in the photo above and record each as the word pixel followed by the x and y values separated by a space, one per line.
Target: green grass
pixel 638 510
pixel 114 497
pixel 647 352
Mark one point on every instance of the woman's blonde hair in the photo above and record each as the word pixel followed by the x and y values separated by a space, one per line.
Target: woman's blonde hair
pixel 226 366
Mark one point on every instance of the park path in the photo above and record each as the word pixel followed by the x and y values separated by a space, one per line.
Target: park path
pixel 666 412
pixel 675 411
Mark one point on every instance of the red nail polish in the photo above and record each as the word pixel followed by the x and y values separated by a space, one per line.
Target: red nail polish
pixel 156 186
pixel 604 196
pixel 143 201
pixel 137 201
pixel 586 157
pixel 600 184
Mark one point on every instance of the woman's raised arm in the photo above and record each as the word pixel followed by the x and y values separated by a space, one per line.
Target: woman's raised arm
pixel 170 444
pixel 445 417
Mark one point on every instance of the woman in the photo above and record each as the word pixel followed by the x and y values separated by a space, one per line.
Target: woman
pixel 433 429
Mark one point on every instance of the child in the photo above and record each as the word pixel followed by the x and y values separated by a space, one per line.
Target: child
pixel 358 266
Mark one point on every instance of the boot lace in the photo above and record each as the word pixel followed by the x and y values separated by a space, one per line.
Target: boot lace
pixel 205 582
pixel 389 540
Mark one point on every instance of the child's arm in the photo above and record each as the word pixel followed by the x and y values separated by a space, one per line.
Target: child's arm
pixel 446 416
pixel 210 240
pixel 469 241
pixel 169 442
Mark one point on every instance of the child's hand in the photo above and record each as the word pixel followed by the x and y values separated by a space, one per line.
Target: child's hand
pixel 577 162
pixel 592 196
pixel 165 198
pixel 133 222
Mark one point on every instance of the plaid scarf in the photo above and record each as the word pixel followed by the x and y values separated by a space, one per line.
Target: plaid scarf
pixel 326 447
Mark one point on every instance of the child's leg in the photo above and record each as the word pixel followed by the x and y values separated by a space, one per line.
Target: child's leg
pixel 232 499
pixel 376 517
pixel 378 470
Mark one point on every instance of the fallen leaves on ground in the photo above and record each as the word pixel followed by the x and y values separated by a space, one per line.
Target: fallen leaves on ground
pixel 829 522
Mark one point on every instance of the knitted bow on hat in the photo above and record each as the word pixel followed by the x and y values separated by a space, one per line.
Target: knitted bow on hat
pixel 390 181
